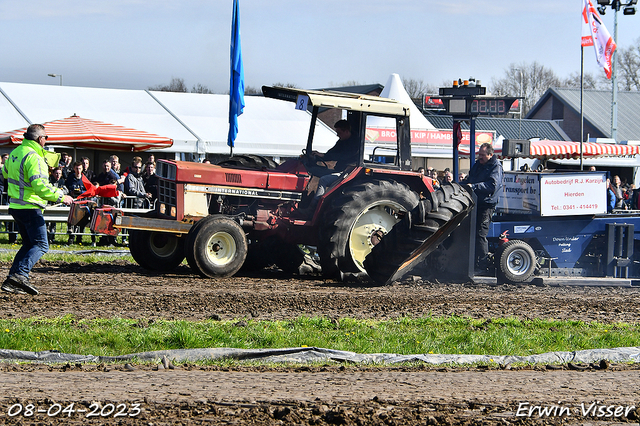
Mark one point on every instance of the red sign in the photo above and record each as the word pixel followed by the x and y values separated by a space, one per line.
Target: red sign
pixel 428 137
pixel 431 103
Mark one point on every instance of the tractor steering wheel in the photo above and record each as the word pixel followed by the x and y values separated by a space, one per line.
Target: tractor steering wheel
pixel 310 160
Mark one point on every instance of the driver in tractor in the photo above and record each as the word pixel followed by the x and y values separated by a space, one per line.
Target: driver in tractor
pixel 345 153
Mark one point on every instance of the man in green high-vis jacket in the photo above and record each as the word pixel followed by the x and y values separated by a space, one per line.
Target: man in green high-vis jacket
pixel 26 174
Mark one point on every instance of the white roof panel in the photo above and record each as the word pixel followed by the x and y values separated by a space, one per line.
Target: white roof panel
pixel 266 127
pixel 10 118
pixel 129 108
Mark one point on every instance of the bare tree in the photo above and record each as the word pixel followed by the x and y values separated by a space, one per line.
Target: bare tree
pixel 417 88
pixel 176 85
pixel 529 80
pixel 200 88
pixel 286 85
pixel 590 81
pixel 628 71
pixel 250 90
pixel 348 83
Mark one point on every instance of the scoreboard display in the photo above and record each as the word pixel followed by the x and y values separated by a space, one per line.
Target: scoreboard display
pixel 474 106
pixel 490 107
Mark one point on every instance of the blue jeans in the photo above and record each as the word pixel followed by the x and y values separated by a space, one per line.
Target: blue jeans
pixel 483 221
pixel 325 182
pixel 33 231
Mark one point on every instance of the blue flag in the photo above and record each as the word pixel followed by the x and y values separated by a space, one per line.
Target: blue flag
pixel 236 93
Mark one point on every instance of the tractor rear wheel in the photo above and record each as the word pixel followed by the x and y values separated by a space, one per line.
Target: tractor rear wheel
pixel 248 162
pixel 216 247
pixel 156 251
pixel 356 221
pixel 515 262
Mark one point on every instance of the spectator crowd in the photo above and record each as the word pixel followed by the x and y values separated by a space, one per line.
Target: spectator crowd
pixel 137 184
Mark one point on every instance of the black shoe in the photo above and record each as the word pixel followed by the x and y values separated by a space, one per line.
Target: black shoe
pixel 10 288
pixel 22 282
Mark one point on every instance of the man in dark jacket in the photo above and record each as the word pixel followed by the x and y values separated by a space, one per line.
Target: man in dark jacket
pixel 74 182
pixel 485 178
pixel 134 186
pixel 108 177
pixel 87 171
pixel 345 152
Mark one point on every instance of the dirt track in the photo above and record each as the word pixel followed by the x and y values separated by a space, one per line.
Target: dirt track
pixel 324 395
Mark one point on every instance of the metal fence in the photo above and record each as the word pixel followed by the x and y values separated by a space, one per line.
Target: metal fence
pixel 56 217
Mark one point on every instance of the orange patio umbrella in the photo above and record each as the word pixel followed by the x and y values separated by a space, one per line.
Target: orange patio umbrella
pixel 91 134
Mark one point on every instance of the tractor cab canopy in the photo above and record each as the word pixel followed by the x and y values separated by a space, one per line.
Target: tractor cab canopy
pixel 358 107
pixel 341 100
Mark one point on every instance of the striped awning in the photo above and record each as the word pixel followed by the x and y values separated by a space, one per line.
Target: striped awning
pixel 567 149
pixel 91 134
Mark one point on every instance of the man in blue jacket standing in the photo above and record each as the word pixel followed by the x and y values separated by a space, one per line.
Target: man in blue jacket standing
pixel 485 178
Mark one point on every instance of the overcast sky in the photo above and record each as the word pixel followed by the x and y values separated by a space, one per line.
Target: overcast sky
pixel 134 44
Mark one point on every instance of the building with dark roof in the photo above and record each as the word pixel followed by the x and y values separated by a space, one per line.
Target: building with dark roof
pixel 508 128
pixel 563 107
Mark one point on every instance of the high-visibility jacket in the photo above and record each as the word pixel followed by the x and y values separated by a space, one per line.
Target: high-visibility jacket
pixel 27 177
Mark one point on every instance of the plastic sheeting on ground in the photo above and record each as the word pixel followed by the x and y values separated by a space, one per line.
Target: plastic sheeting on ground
pixel 312 354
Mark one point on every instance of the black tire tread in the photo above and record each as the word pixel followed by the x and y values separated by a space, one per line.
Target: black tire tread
pixel 140 249
pixel 198 264
pixel 248 161
pixel 424 222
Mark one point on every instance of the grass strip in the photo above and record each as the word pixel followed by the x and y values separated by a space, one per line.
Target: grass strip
pixel 406 335
pixel 55 248
pixel 7 257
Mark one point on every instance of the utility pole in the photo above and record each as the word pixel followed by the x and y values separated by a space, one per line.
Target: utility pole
pixel 629 9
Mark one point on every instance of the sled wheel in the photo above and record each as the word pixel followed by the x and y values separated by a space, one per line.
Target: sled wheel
pixel 516 262
pixel 156 251
pixel 216 247
pixel 356 221
pixel 419 233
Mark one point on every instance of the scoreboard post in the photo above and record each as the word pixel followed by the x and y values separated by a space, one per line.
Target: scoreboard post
pixel 464 101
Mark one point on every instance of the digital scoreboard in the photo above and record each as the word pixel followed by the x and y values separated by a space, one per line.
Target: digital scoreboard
pixel 498 106
pixel 480 105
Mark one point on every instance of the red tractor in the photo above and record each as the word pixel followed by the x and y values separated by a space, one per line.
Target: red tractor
pixel 246 211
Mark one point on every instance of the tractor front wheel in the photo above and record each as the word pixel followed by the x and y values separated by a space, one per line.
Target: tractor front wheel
pixel 216 247
pixel 156 251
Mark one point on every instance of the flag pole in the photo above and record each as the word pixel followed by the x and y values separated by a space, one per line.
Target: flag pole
pixel 236 91
pixel 581 106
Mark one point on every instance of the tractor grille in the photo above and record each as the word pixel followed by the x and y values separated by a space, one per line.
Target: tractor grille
pixel 167 193
pixel 233 177
pixel 166 170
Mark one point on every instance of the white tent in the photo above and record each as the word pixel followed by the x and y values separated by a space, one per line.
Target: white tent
pixel 10 118
pixel 394 89
pixel 197 123
pixel 267 126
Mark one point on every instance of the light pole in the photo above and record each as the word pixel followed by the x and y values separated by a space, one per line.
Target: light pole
pixel 629 9
pixel 56 75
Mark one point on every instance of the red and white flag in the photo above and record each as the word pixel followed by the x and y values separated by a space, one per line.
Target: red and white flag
pixel 595 34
